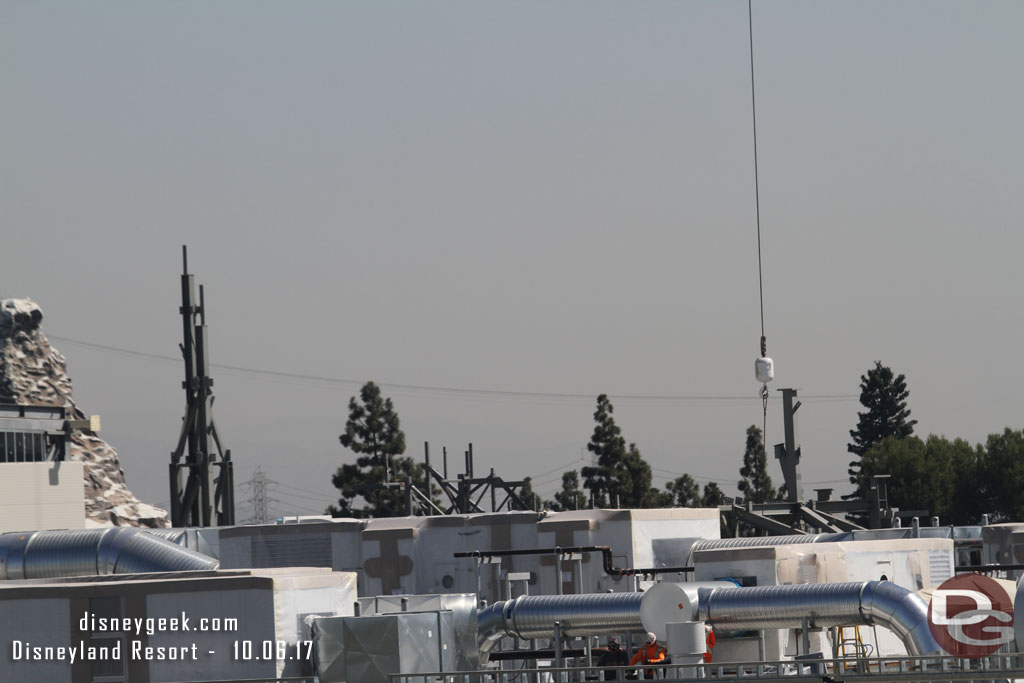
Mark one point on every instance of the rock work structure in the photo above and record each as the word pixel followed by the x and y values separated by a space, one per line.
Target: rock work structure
pixel 33 372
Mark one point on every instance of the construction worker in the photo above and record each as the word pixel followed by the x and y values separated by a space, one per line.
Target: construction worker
pixel 614 656
pixel 709 640
pixel 650 653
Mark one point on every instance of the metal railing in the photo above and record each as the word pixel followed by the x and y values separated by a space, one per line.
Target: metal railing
pixel 289 679
pixel 999 667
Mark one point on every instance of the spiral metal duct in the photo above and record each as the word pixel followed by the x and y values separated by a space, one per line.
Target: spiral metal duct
pixel 760 541
pixel 824 605
pixel 586 614
pixel 93 552
pixel 579 615
pixel 534 616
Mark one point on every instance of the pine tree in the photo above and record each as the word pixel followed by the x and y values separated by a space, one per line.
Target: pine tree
pixel 755 484
pixel 605 479
pixel 621 476
pixel 373 432
pixel 636 489
pixel 684 492
pixel 530 500
pixel 570 497
pixel 885 397
pixel 713 496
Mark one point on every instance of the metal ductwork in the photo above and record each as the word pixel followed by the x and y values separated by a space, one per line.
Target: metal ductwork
pixel 696 544
pixel 824 605
pixel 93 552
pixel 593 614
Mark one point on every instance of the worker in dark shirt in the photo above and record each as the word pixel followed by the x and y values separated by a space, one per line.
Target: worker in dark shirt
pixel 613 656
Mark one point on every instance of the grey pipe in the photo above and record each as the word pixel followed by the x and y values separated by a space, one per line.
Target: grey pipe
pixel 93 552
pixel 825 605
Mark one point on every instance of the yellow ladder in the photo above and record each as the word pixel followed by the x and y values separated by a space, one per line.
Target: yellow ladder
pixel 856 643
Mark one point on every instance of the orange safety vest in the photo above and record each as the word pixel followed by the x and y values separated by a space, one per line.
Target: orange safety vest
pixel 649 653
pixel 709 640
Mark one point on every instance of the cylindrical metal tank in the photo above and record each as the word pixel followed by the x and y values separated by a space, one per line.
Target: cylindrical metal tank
pixel 686 638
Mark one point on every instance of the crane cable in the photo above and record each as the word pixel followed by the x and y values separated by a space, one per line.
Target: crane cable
pixel 757 210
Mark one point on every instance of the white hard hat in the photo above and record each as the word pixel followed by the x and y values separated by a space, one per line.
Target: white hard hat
pixel 651 637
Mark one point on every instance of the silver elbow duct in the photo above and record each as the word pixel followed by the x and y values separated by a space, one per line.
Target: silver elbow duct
pixel 824 605
pixel 490 626
pixel 901 611
pixel 93 552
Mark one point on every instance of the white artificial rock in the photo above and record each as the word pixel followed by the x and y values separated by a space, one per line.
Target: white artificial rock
pixel 33 373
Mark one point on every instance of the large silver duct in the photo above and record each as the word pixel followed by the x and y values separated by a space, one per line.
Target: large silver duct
pixel 93 552
pixel 727 609
pixel 824 605
pixel 594 614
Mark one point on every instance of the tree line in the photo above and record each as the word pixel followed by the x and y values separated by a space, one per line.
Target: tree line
pixel 950 479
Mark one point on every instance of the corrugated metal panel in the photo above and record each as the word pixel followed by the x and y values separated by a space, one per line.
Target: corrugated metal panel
pixel 294 551
pixel 940 566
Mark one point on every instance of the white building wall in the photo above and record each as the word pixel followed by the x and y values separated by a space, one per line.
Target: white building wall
pixel 217 659
pixel 42 495
pixel 39 623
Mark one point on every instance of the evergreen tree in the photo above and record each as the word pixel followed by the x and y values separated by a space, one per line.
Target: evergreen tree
pixel 684 492
pixel 531 501
pixel 755 484
pixel 884 395
pixel 621 477
pixel 373 432
pixel 937 475
pixel 713 496
pixel 570 497
pixel 636 488
pixel 1001 476
pixel 605 479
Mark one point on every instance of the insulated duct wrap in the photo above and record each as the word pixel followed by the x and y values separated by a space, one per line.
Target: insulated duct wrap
pixel 824 605
pixel 93 552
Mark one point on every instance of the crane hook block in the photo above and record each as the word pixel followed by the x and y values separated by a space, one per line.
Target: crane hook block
pixel 764 370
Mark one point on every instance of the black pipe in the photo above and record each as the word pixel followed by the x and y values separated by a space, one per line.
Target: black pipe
pixel 605 550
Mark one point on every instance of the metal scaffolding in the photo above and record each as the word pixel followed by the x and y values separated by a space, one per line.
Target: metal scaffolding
pixel 191 504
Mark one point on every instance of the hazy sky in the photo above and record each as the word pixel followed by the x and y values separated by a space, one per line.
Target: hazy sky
pixel 541 197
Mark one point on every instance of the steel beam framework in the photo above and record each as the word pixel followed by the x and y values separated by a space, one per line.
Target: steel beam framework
pixel 191 504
